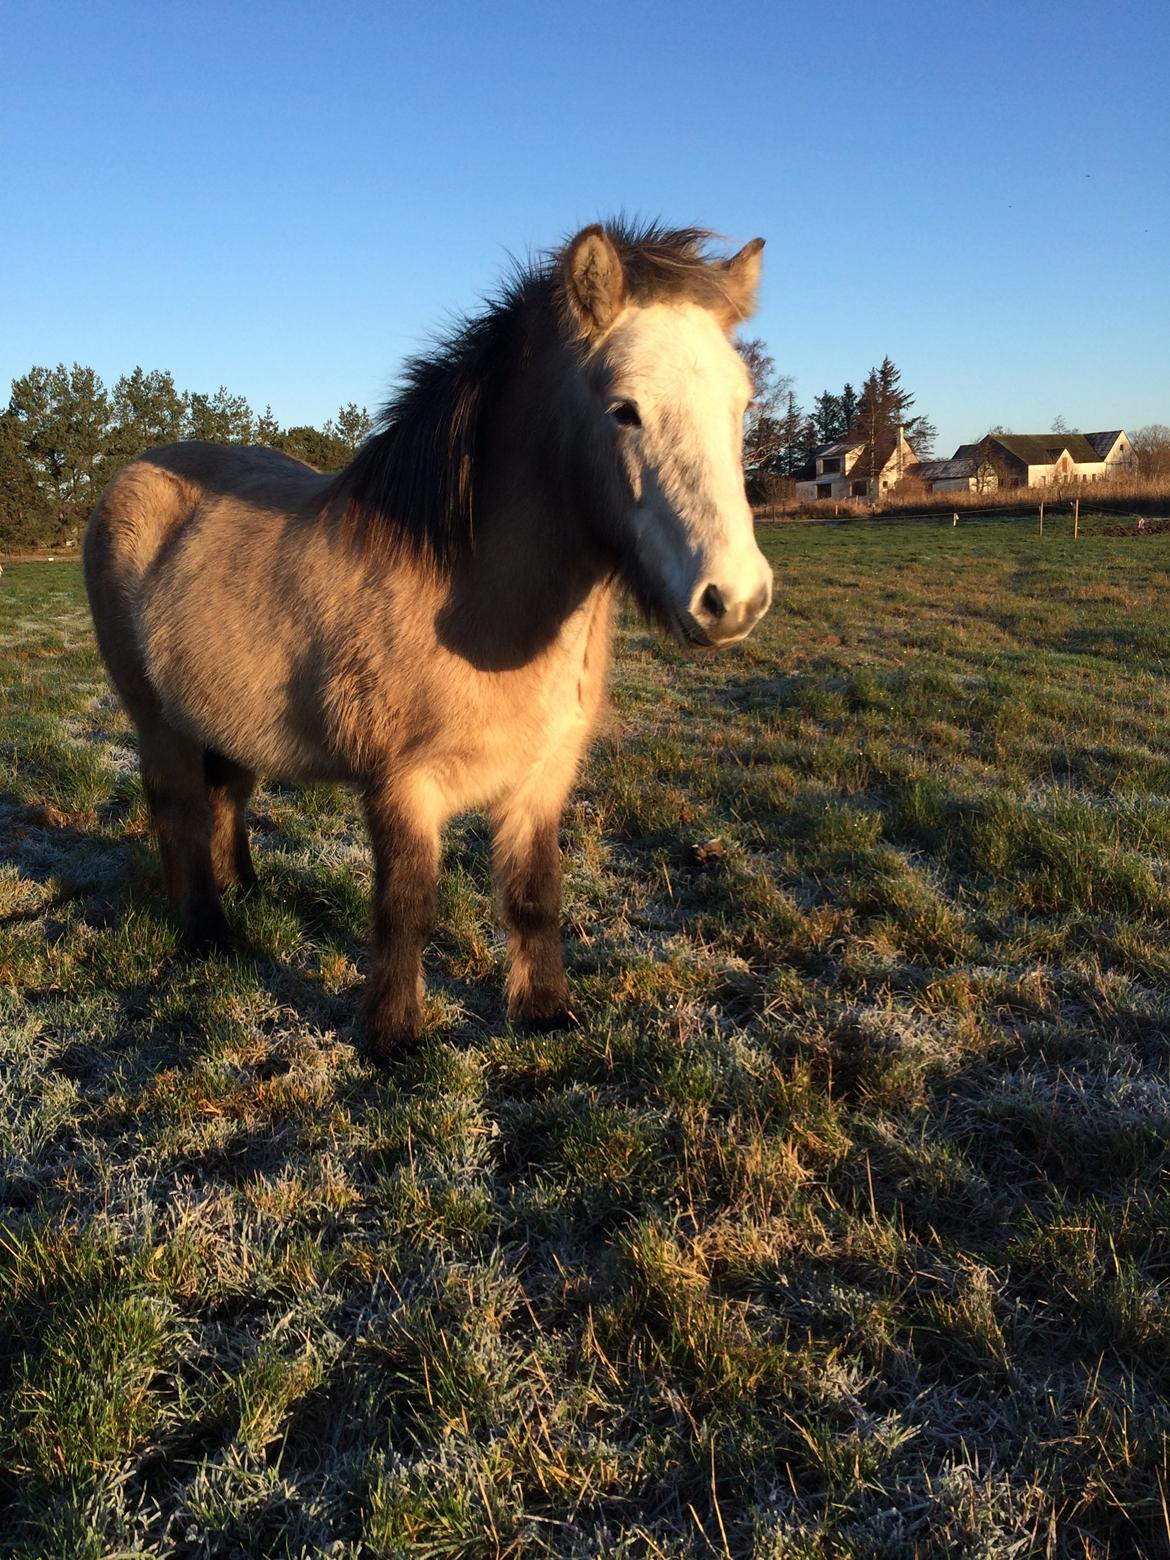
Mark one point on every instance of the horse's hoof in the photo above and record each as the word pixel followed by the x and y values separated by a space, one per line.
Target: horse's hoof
pixel 382 1051
pixel 384 1037
pixel 538 1019
pixel 210 937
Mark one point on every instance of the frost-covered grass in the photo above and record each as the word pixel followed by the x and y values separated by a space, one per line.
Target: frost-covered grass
pixel 841 1225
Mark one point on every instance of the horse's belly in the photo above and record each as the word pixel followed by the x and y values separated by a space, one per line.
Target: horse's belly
pixel 249 707
pixel 256 732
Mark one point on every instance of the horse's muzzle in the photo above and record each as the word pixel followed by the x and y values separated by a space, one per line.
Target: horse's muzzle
pixel 722 619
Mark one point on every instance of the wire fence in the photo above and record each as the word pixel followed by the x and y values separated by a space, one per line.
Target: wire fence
pixel 1146 520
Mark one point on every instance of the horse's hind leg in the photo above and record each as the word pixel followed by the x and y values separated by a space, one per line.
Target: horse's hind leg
pixel 229 786
pixel 180 810
pixel 173 777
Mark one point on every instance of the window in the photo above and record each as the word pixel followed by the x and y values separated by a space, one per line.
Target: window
pixel 831 466
pixel 824 490
pixel 858 489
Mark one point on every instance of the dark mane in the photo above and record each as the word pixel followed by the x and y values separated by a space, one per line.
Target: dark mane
pixel 413 481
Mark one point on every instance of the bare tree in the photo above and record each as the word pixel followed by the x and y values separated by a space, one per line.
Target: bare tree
pixel 1151 448
pixel 763 434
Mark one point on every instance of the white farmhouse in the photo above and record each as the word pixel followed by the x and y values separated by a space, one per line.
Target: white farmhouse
pixel 853 467
pixel 1028 460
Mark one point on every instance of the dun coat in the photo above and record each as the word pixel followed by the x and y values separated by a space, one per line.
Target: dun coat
pixel 433 623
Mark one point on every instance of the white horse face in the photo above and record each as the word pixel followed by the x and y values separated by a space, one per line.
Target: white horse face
pixel 675 398
pixel 667 392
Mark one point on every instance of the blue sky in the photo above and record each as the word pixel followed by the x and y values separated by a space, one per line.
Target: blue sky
pixel 290 198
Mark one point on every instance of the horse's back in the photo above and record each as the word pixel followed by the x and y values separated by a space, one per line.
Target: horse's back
pixel 152 499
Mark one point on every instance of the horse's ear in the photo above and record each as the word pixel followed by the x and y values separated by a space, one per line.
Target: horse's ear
pixel 595 283
pixel 743 280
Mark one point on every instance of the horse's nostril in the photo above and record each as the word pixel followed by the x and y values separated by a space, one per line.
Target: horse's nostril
pixel 712 602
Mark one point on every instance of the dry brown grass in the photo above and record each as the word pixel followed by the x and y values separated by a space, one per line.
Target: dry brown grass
pixel 1133 493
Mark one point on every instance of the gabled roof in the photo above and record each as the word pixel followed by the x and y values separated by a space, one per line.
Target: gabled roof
pixel 955 469
pixel 1045 449
pixel 874 457
pixel 1104 442
pixel 863 466
pixel 808 472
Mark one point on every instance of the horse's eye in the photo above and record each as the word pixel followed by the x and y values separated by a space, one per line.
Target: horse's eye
pixel 626 413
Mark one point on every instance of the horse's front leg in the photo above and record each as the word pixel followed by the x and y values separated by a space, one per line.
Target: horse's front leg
pixel 527 860
pixel 405 843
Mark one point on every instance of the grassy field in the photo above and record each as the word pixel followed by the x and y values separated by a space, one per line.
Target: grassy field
pixel 840 1227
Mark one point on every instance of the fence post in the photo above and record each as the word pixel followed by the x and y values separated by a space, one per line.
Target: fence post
pixel 1076 518
pixel 955 518
pixel 1041 517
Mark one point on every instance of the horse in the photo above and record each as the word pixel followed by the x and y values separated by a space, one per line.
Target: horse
pixel 432 623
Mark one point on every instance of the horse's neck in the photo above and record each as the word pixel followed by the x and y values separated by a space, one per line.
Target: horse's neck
pixel 520 589
pixel 532 567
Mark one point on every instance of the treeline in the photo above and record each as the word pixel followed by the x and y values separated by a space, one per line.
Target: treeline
pixel 63 434
pixel 781 435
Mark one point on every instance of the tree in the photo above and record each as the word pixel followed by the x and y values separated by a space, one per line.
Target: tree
pixel 763 439
pixel 147 410
pixel 884 405
pixel 223 418
pixel 1151 448
pixel 828 417
pixel 793 427
pixel 268 429
pixel 989 467
pixel 848 406
pixel 62 436
pixel 352 426
pixel 64 425
pixel 318 447
pixel 23 508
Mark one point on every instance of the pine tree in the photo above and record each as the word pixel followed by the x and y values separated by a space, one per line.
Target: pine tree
pixel 792 424
pixel 319 447
pixel 268 429
pixel 884 405
pixel 352 426
pixel 828 417
pixel 64 425
pixel 848 407
pixel 24 512
pixel 147 410
pixel 223 418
